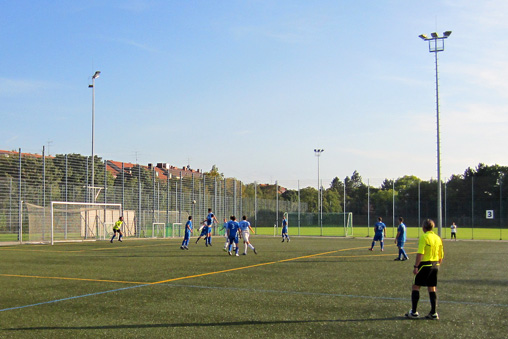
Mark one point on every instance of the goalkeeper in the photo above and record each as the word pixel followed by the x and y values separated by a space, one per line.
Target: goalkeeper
pixel 116 229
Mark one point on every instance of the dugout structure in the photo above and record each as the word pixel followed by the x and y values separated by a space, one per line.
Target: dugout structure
pixel 75 221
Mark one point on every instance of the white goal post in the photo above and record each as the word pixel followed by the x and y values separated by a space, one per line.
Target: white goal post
pixel 158 230
pixel 348 224
pixel 177 230
pixel 78 221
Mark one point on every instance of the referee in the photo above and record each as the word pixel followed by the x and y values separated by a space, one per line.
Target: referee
pixel 428 258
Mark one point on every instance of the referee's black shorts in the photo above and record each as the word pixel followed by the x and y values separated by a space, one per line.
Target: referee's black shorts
pixel 427 274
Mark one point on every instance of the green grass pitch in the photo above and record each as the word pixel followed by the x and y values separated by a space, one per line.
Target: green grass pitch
pixel 308 288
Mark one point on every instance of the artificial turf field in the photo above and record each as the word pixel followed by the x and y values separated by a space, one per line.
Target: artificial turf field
pixel 308 288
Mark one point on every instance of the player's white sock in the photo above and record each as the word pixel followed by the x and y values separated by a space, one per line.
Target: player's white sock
pixel 250 245
pixel 245 250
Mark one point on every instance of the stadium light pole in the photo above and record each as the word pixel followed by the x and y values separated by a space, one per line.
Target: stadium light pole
pixel 436 45
pixel 92 86
pixel 317 152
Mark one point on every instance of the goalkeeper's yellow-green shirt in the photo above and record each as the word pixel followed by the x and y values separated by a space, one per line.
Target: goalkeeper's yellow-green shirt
pixel 431 246
pixel 118 224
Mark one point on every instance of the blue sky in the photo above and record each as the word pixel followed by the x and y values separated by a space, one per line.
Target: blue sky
pixel 254 86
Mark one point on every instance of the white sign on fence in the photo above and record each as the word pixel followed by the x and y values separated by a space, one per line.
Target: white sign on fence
pixel 489 214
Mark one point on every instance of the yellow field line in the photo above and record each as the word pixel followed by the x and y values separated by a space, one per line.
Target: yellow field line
pixel 251 266
pixel 203 274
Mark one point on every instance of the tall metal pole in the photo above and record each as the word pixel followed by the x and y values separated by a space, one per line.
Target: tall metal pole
pixel 436 44
pixel 317 152
pixel 92 86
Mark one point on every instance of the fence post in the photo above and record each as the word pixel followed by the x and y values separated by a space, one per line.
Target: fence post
pixel 20 203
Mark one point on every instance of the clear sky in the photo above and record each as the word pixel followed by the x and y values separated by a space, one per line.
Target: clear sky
pixel 255 86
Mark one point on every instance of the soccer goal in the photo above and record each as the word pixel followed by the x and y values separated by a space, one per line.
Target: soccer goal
pixel 71 221
pixel 348 224
pixel 177 229
pixel 158 230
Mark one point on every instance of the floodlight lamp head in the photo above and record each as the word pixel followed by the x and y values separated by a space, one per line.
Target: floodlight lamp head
pixel 434 35
pixel 96 75
pixel 423 37
pixel 447 34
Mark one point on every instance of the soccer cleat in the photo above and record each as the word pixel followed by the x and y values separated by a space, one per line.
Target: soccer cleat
pixel 237 255
pixel 206 244
pixel 255 252
pixel 225 250
pixel 370 249
pixel 404 259
pixel 412 315
pixel 397 259
pixel 229 252
pixel 181 247
pixel 282 240
pixel 111 241
pixel 197 241
pixel 186 247
pixel 120 240
pixel 382 250
pixel 210 244
pixel 434 316
pixel 244 253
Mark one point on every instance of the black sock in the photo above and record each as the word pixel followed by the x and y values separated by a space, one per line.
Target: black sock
pixel 433 302
pixel 415 296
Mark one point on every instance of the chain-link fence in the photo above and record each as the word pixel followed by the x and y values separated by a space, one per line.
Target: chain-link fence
pixel 154 193
pixel 163 194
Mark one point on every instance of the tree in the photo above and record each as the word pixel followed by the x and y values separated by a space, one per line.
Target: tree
pixel 214 172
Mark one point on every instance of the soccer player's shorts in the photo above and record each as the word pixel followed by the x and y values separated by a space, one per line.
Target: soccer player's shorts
pixel 209 230
pixel 245 236
pixel 400 243
pixel 427 274
pixel 187 235
pixel 284 230
pixel 233 240
pixel 378 237
pixel 204 232
pixel 116 230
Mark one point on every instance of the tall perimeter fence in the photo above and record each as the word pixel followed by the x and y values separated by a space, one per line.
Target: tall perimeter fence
pixel 162 194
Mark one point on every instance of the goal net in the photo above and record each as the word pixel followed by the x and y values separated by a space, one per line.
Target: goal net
pixel 322 224
pixel 73 221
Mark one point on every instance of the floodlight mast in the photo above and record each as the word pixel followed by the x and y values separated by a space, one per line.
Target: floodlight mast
pixel 317 152
pixel 92 86
pixel 436 44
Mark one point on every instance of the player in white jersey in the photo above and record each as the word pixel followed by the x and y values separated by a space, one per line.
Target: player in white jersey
pixel 246 229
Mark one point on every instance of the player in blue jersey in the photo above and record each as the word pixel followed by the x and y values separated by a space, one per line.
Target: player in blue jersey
pixel 285 225
pixel 233 231
pixel 186 237
pixel 400 240
pixel 204 232
pixel 246 229
pixel 210 219
pixel 379 234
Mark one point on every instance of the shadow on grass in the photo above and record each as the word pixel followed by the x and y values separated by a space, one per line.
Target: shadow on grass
pixel 238 323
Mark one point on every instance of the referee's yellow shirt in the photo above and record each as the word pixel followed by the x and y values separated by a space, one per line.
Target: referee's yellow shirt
pixel 118 224
pixel 431 246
